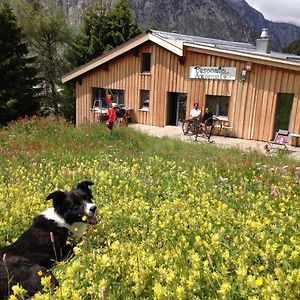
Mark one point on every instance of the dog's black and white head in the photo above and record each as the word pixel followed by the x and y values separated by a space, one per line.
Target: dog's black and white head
pixel 33 251
pixel 73 209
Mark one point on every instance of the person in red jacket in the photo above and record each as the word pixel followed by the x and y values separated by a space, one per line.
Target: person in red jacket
pixel 111 112
pixel 111 117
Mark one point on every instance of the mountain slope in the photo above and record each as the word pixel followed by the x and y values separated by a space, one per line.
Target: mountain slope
pixel 222 19
pixel 281 33
pixel 208 18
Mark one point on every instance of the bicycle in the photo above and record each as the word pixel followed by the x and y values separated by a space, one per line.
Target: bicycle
pixel 122 116
pixel 211 126
pixel 191 126
pixel 195 127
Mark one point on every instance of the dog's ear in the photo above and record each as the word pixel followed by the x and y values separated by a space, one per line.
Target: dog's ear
pixel 58 199
pixel 57 196
pixel 84 185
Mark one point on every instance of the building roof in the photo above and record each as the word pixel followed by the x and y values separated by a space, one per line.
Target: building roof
pixel 222 44
pixel 176 43
pixel 198 40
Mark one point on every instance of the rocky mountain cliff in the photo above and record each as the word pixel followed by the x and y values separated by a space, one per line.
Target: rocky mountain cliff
pixel 208 18
pixel 223 19
pixel 281 33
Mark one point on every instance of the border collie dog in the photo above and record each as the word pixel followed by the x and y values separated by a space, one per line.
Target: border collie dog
pixel 45 241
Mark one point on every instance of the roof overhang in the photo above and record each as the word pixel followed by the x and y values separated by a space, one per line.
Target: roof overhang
pixel 261 59
pixel 176 48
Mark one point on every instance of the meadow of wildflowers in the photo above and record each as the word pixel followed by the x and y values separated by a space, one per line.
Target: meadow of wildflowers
pixel 178 221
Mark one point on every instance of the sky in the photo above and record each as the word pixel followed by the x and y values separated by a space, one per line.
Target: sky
pixel 278 10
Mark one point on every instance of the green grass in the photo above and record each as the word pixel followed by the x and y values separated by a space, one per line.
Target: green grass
pixel 179 220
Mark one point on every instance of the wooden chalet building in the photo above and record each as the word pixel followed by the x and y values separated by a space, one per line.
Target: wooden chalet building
pixel 161 74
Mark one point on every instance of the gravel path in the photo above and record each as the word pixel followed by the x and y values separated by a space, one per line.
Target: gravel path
pixel 176 132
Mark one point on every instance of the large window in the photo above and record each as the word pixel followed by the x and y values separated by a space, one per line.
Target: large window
pixel 144 99
pixel 99 97
pixel 218 105
pixel 146 63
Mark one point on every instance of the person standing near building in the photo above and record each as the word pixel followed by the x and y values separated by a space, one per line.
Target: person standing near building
pixel 111 112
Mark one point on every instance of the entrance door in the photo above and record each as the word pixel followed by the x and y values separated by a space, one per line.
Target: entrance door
pixel 283 111
pixel 176 108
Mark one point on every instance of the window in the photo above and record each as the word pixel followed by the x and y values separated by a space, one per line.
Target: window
pixel 99 100
pixel 218 105
pixel 144 99
pixel 118 96
pixel 146 62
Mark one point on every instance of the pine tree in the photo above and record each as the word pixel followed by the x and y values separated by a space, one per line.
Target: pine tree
pixel 102 30
pixel 89 43
pixel 293 48
pixel 46 29
pixel 121 25
pixel 18 76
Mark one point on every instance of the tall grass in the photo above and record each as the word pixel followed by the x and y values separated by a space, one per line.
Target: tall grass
pixel 179 220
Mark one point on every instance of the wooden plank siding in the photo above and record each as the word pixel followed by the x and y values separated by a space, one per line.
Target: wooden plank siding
pixel 252 102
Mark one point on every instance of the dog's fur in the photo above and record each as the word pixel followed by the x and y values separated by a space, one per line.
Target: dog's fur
pixel 33 254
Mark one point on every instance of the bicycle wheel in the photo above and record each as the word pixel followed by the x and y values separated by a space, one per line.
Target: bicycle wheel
pixel 186 127
pixel 213 126
pixel 200 130
pixel 217 126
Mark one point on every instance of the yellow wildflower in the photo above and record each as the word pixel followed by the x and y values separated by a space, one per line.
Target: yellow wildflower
pixel 180 292
pixel 19 291
pixel 170 276
pixel 158 290
pixel 292 240
pixel 241 272
pixel 225 288
pixel 259 281
pixel 102 284
pixel 45 281
pixel 77 251
pixel 261 268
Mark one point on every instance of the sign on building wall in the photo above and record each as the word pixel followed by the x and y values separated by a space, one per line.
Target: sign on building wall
pixel 221 73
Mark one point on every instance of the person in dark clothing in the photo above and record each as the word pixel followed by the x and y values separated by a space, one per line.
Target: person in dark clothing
pixel 208 122
pixel 207 117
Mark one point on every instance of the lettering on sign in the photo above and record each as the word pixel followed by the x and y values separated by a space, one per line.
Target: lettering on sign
pixel 219 73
